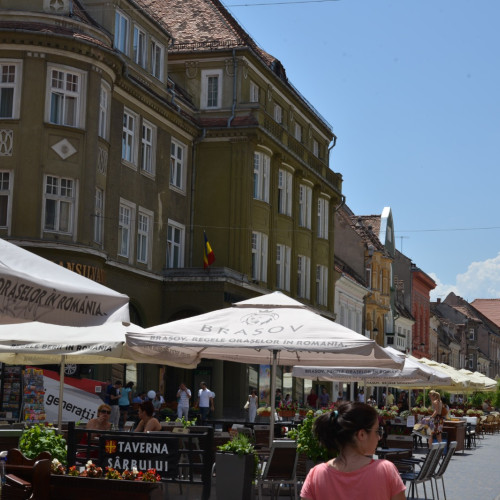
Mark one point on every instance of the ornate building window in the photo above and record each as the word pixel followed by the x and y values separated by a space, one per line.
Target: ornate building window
pixel 323 205
pixel 98 215
pixel 285 180
pixel 59 205
pixel 303 277
pixel 126 218
pixel 177 165
pixel 144 235
pixel 261 169
pixel 259 256
pixel 175 244
pixel 322 285
pixel 6 178
pixel 283 262
pixel 66 96
pixel 10 88
pixel 305 204
pixel 148 147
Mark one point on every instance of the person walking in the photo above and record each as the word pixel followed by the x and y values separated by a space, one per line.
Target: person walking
pixel 252 405
pixel 353 432
pixel 205 402
pixel 183 397
pixel 124 403
pixel 324 398
pixel 437 417
pixel 114 394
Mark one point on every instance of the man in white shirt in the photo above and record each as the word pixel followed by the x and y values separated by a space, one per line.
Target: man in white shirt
pixel 205 402
pixel 183 397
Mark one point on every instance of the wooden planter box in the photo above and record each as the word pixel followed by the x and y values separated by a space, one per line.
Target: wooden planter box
pixel 286 413
pixel 85 488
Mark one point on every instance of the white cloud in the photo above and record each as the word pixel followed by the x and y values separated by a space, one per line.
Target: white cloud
pixel 480 281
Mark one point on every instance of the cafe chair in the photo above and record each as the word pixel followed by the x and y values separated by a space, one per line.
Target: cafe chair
pixel 426 472
pixel 280 470
pixel 470 435
pixel 36 488
pixel 443 466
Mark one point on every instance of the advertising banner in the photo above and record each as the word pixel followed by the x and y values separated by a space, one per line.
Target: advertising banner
pixel 80 398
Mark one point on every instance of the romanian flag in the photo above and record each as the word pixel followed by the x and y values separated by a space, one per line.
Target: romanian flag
pixel 208 253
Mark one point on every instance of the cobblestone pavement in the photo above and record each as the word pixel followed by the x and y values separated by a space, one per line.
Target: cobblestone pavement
pixel 471 475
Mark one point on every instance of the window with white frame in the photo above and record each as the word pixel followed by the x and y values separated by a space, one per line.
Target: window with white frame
pixel 211 89
pixel 98 215
pixel 122 26
pixel 298 131
pixel 144 235
pixel 104 106
pixel 126 217
pixel 139 46
pixel 5 197
pixel 368 277
pixel 316 148
pixel 303 277
pixel 148 146
pixel 10 88
pixel 175 245
pixel 59 204
pixel 322 285
pixel 254 92
pixel 305 204
pixel 278 113
pixel 261 169
pixel 177 165
pixel 283 264
pixel 323 205
pixel 157 57
pixel 285 180
pixel 66 96
pixel 129 136
pixel 259 256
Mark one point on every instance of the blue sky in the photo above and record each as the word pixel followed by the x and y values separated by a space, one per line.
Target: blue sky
pixel 412 91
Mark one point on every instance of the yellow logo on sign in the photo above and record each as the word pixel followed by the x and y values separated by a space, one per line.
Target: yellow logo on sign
pixel 110 446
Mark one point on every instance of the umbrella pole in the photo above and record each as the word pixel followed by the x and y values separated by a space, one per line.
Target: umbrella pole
pixel 61 392
pixel 273 399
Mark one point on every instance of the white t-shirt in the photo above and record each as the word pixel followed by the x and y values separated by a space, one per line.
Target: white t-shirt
pixel 204 396
pixel 184 398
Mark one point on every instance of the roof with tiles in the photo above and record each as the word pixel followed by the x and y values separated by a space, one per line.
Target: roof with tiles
pixel 201 25
pixel 367 232
pixel 489 308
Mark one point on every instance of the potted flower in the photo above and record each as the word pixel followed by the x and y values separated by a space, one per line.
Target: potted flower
pixel 474 412
pixel 287 409
pixel 235 465
pixel 264 411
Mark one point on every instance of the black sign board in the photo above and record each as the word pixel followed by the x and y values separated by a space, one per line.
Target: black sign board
pixel 143 451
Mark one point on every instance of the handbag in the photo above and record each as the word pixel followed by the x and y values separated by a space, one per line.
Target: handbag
pixel 247 405
pixel 444 411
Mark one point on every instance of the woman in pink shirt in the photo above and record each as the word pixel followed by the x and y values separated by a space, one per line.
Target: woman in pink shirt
pixel 352 432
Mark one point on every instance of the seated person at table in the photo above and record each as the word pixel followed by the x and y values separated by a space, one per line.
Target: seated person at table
pixel 101 422
pixel 147 422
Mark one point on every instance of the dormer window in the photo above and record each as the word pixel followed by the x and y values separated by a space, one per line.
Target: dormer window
pixel 211 89
pixel 122 25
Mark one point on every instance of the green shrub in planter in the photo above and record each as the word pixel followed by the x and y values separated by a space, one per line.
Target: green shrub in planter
pixel 40 438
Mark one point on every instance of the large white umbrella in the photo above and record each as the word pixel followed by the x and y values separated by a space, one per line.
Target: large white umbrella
pixel 459 381
pixel 38 343
pixel 35 289
pixel 272 329
pixel 413 374
pixel 482 382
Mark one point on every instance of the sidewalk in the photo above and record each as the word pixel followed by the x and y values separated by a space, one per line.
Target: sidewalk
pixel 471 474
